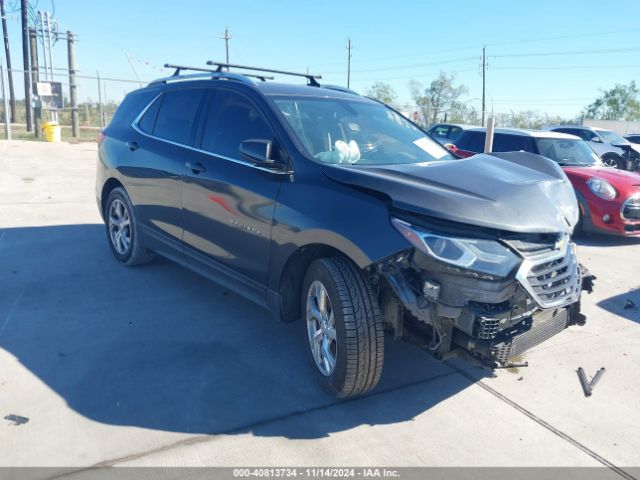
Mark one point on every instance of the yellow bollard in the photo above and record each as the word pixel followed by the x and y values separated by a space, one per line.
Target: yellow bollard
pixel 52 132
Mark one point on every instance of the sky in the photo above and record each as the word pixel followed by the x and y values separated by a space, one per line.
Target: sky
pixel 550 56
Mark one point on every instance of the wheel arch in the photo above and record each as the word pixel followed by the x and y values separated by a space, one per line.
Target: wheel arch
pixel 110 185
pixel 288 279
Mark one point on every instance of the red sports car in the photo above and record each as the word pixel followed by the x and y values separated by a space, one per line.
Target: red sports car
pixel 609 198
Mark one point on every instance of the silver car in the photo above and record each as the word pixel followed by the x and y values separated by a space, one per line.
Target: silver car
pixel 603 142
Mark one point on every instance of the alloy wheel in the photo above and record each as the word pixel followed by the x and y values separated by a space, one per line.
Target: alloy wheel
pixel 321 328
pixel 119 227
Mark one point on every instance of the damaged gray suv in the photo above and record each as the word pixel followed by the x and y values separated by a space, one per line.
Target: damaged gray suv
pixel 332 208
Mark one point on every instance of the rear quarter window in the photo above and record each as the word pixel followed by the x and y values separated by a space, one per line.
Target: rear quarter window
pixel 132 105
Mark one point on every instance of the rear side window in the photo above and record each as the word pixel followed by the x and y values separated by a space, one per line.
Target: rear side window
pixel 512 143
pixel 177 115
pixel 471 141
pixel 231 119
pixel 131 106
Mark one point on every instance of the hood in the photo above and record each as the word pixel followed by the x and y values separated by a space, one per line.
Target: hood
pixel 623 181
pixel 517 192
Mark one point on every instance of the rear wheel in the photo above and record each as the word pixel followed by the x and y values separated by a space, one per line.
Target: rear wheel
pixel 344 327
pixel 123 230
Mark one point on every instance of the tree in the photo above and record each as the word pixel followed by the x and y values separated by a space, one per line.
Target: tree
pixel 383 92
pixel 438 98
pixel 619 103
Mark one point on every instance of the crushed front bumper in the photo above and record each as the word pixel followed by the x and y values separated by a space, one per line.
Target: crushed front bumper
pixel 494 319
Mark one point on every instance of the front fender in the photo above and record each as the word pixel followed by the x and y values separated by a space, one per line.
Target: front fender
pixel 331 214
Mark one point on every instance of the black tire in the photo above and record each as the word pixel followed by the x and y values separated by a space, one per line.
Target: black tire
pixel 615 161
pixel 358 327
pixel 136 253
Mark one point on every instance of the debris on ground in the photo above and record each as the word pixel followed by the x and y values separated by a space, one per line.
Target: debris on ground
pixel 596 378
pixel 629 305
pixel 587 387
pixel 16 419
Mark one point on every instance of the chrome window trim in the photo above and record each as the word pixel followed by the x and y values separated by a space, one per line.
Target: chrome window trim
pixel 136 127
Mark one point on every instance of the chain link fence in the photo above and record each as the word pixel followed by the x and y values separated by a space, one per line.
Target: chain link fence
pixel 98 98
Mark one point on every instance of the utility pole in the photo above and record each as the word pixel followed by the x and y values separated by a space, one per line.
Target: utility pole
pixel 226 38
pixel 12 95
pixel 349 48
pixel 100 109
pixel 25 64
pixel 484 81
pixel 73 89
pixel 35 78
pixel 5 102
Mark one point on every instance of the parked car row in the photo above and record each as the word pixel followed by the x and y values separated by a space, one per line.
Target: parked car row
pixel 609 198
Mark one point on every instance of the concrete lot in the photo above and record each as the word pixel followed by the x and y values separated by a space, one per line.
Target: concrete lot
pixel 154 366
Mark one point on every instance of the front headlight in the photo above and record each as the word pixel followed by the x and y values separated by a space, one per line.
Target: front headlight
pixel 601 188
pixel 484 256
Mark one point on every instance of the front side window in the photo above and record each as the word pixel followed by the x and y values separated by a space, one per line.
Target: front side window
pixel 611 137
pixel 567 152
pixel 176 118
pixel 356 132
pixel 232 119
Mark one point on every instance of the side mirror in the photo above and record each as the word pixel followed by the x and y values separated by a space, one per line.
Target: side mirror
pixel 596 140
pixel 257 150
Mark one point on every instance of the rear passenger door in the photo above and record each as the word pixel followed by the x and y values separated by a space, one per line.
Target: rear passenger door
pixel 228 202
pixel 164 144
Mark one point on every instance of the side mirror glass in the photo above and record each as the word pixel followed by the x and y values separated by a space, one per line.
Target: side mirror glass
pixel 257 150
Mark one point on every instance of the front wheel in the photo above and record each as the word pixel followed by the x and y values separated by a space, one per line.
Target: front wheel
pixel 615 161
pixel 344 327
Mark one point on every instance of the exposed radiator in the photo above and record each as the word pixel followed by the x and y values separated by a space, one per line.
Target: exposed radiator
pixel 545 325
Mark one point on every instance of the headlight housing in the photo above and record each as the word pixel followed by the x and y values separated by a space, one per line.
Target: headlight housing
pixel 484 256
pixel 601 188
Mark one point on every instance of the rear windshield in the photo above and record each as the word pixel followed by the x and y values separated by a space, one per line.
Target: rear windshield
pixel 357 132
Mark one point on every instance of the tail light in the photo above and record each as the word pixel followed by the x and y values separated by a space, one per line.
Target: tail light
pixel 458 151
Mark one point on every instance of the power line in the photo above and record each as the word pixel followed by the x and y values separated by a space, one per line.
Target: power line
pixel 403 67
pixel 473 47
pixel 569 67
pixel 572 52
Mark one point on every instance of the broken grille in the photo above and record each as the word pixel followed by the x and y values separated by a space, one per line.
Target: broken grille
pixel 554 281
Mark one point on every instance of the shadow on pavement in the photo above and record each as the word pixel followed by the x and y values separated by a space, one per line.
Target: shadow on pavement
pixel 627 305
pixel 159 347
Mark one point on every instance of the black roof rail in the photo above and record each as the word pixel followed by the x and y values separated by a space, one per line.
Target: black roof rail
pixel 179 68
pixel 312 79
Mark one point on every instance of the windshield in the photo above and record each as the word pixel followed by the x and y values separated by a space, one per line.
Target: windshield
pixel 567 152
pixel 611 137
pixel 357 132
